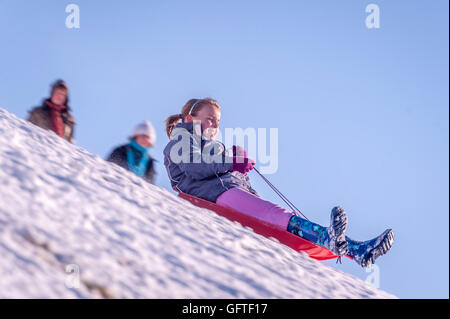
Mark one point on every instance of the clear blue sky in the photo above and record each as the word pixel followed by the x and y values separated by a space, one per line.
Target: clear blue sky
pixel 362 113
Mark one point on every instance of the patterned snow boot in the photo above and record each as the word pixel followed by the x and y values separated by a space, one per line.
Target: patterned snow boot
pixel 365 253
pixel 332 237
pixel 336 232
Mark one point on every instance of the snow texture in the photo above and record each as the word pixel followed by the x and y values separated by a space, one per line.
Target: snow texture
pixel 63 209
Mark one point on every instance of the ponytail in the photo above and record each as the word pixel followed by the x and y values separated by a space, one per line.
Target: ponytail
pixel 171 121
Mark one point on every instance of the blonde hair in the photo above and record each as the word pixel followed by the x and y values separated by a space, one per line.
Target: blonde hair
pixel 192 107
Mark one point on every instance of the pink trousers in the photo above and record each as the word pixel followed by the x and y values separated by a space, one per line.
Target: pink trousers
pixel 252 205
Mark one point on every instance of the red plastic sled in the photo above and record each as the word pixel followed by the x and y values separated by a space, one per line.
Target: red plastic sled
pixel 263 228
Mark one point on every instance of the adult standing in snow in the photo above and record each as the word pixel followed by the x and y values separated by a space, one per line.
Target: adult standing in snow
pixel 54 113
pixel 135 156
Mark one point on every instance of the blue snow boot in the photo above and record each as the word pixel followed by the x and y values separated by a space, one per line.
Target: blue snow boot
pixel 332 237
pixel 336 231
pixel 365 253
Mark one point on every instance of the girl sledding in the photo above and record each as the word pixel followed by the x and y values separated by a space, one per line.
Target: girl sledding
pixel 199 166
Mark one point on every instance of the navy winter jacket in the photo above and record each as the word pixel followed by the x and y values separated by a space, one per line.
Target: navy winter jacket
pixel 119 157
pixel 206 176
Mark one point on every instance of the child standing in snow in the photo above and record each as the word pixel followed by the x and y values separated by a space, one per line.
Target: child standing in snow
pixel 135 156
pixel 199 166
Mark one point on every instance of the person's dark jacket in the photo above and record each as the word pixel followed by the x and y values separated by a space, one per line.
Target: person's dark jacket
pixel 119 157
pixel 190 173
pixel 41 116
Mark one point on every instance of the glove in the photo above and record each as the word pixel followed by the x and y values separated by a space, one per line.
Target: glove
pixel 241 163
pixel 239 151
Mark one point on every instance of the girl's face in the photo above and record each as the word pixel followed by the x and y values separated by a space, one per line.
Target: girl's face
pixel 209 116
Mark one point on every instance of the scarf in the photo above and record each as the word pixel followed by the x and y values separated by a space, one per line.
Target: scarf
pixel 139 167
pixel 56 119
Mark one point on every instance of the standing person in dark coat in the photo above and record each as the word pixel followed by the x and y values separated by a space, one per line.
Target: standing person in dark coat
pixel 135 156
pixel 54 113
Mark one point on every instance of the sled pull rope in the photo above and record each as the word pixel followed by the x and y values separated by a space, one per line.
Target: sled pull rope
pixel 294 209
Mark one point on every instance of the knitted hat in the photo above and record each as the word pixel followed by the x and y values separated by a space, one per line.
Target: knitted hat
pixel 59 84
pixel 145 128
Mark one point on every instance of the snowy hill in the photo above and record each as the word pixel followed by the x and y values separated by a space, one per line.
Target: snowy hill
pixel 62 208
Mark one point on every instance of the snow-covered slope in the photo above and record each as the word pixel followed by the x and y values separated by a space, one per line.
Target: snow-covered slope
pixel 61 205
